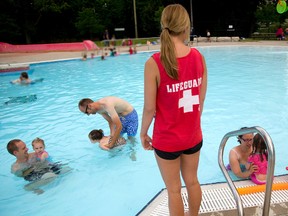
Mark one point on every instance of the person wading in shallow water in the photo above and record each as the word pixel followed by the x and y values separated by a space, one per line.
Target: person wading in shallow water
pixel 120 115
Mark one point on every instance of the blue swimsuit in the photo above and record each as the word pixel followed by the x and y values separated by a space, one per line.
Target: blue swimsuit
pixel 129 123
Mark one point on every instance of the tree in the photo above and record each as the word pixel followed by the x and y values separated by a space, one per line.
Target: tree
pixel 45 21
pixel 88 23
pixel 267 17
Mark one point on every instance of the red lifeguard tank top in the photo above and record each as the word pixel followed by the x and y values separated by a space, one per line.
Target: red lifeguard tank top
pixel 177 124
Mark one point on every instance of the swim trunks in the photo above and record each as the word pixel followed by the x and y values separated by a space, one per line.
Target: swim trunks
pixel 129 123
pixel 174 155
pixel 36 175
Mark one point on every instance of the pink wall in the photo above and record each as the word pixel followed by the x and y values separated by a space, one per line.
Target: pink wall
pixel 86 45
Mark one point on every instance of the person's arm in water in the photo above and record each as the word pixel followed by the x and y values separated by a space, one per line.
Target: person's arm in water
pixel 15 81
pixel 44 156
pixel 21 170
pixel 235 166
pixel 114 124
pixel 121 141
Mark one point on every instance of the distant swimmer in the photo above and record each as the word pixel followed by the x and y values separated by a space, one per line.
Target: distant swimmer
pixel 23 79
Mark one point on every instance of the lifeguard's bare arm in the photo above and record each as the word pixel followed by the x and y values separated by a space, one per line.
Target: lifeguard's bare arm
pixel 150 91
pixel 203 89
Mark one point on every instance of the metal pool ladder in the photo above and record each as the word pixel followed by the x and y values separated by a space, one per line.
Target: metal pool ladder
pixel 270 171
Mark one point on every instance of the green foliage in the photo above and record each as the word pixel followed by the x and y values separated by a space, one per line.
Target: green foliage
pixel 45 21
pixel 8 28
pixel 268 19
pixel 157 16
pixel 51 5
pixel 88 23
pixel 265 14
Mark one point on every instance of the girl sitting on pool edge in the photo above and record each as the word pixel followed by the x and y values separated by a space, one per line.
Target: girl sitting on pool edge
pixel 98 136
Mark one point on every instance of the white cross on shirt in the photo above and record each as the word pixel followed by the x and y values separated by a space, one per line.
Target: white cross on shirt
pixel 188 100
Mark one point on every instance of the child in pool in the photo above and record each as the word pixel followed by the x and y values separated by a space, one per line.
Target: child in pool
pixel 23 79
pixel 98 136
pixel 39 148
pixel 259 157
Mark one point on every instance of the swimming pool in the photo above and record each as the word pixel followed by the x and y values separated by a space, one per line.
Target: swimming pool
pixel 247 87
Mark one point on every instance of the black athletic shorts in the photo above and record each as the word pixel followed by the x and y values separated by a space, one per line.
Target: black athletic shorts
pixel 174 155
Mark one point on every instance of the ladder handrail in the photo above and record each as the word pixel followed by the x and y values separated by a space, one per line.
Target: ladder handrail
pixel 270 171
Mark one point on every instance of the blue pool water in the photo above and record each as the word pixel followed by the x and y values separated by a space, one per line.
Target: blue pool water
pixel 248 86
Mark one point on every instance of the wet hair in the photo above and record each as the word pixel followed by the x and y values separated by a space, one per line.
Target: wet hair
pixel 96 134
pixel 174 21
pixel 84 102
pixel 24 75
pixel 38 140
pixel 11 146
pixel 259 146
pixel 240 136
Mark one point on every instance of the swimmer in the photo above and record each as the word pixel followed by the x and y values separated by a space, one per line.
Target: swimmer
pixel 238 157
pixel 39 148
pixel 23 79
pixel 84 57
pixel 38 173
pixel 120 115
pixel 98 136
pixel 26 164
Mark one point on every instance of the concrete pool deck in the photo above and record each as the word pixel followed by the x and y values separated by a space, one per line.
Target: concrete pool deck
pixel 21 58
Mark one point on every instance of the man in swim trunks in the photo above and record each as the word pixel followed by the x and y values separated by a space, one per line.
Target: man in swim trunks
pixel 120 115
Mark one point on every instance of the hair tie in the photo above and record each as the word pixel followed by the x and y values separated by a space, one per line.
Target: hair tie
pixel 166 28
